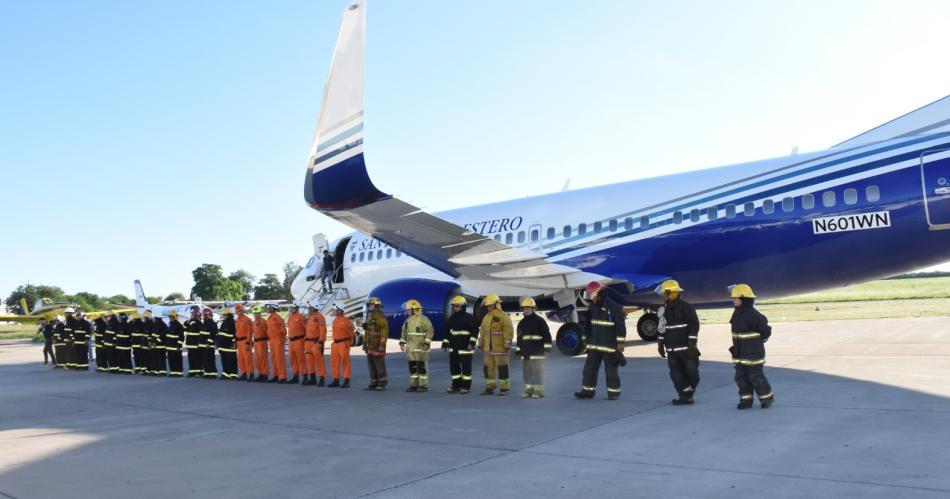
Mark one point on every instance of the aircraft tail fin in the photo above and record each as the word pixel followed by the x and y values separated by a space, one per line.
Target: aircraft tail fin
pixel 24 306
pixel 140 300
pixel 932 118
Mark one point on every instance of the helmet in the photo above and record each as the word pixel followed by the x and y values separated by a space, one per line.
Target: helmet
pixel 172 314
pixel 109 313
pixel 239 307
pixel 491 300
pixel 668 286
pixel 593 287
pixel 147 314
pixel 227 311
pixel 294 304
pixel 412 305
pixel 60 318
pixel 338 306
pixel 69 310
pixel 80 313
pixel 528 302
pixel 271 306
pixel 134 315
pixel 459 300
pixel 207 311
pixel 741 291
pixel 258 310
pixel 375 301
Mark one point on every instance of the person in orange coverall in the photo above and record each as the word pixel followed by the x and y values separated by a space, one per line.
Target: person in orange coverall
pixel 297 330
pixel 260 345
pixel 313 351
pixel 277 336
pixel 244 341
pixel 343 335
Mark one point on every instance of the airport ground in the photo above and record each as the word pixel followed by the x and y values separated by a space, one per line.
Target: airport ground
pixel 861 411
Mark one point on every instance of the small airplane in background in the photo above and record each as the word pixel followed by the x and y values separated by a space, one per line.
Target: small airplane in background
pixel 183 307
pixel 45 308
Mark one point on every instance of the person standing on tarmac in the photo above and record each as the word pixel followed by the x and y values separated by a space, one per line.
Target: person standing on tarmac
pixel 47 331
pixel 99 342
pixel 135 337
pixel 244 342
pixel 174 339
pixel 193 342
pixel 750 331
pixel 416 340
pixel 110 359
pixel 495 337
pixel 374 344
pixel 260 344
pixel 68 359
pixel 81 333
pixel 605 342
pixel 123 344
pixel 297 330
pixel 209 337
pixel 316 338
pixel 59 342
pixel 277 338
pixel 343 334
pixel 534 344
pixel 677 341
pixel 226 347
pixel 157 343
pixel 463 334
pixel 148 326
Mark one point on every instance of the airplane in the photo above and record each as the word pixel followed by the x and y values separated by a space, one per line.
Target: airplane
pixel 45 308
pixel 183 309
pixel 872 206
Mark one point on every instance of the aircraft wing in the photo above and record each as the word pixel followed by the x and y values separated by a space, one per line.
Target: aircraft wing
pixel 25 319
pixel 96 313
pixel 338 185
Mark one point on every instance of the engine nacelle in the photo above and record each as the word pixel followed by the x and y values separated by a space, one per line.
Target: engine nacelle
pixel 433 295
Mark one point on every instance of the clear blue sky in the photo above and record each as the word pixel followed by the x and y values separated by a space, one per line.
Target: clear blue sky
pixel 142 139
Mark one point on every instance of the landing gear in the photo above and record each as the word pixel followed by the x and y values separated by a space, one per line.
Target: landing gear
pixel 647 326
pixel 569 339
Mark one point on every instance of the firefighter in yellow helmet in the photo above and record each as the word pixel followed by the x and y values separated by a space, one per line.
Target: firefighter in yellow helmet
pixel 750 331
pixel 415 340
pixel 677 338
pixel 374 344
pixel 462 335
pixel 495 337
pixel 534 343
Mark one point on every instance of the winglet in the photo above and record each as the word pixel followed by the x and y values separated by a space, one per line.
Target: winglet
pixel 336 171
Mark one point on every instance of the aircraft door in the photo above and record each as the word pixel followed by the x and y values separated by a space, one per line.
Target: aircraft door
pixel 935 177
pixel 340 255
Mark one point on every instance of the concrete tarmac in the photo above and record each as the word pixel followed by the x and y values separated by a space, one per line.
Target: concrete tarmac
pixel 862 410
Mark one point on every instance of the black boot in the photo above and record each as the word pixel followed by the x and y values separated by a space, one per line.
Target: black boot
pixel 371 387
pixel 336 383
pixel 346 383
pixel 744 404
pixel 584 394
pixel 295 379
pixel 766 403
pixel 683 400
pixel 272 380
pixel 322 381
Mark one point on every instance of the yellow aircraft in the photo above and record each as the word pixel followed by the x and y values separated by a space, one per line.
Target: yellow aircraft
pixel 44 308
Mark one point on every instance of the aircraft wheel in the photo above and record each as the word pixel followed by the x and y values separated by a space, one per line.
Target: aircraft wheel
pixel 569 339
pixel 646 326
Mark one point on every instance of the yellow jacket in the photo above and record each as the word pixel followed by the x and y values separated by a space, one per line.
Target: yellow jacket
pixel 496 333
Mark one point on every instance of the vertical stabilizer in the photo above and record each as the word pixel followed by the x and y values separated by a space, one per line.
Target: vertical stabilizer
pixel 140 300
pixel 23 305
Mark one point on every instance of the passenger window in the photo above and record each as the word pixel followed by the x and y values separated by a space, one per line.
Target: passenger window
pixel 808 201
pixel 581 229
pixel 369 256
pixel 567 231
pixel 534 235
pixel 828 199
pixel 768 207
pixel 353 258
pixel 613 226
pixel 872 193
pixel 850 196
pixel 498 237
pixel 644 222
pixel 677 217
pixel 788 204
pixel 628 223
pixel 730 211
pixel 362 255
pixel 694 215
pixel 509 237
pixel 398 253
pixel 712 213
pixel 550 233
pixel 389 253
pixel 520 237
pixel 749 209
pixel 379 255
pixel 598 227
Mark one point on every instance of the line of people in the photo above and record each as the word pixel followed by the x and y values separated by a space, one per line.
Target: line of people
pixel 253 349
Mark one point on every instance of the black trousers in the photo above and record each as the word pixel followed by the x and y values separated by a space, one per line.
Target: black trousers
pixel 158 361
pixel 752 378
pixel 460 365
pixel 82 355
pixel 418 375
pixel 60 350
pixel 48 352
pixel 139 358
pixel 208 365
pixel 111 358
pixel 194 361
pixel 377 369
pixel 68 358
pixel 684 371
pixel 611 361
pixel 174 362
pixel 229 364
pixel 124 358
pixel 102 363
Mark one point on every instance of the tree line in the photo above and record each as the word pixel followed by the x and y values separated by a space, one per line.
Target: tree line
pixel 210 283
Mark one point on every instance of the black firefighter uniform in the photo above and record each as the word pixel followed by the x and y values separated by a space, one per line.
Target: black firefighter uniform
pixel 607 330
pixel 680 333
pixel 750 331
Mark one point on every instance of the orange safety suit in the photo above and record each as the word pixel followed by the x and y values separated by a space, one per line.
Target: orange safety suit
pixel 260 346
pixel 297 330
pixel 316 336
pixel 243 339
pixel 277 337
pixel 343 334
